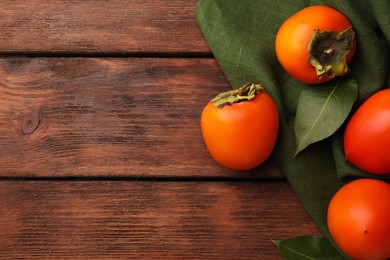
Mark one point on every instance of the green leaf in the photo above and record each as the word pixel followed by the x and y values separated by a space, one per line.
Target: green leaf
pixel 322 109
pixel 307 247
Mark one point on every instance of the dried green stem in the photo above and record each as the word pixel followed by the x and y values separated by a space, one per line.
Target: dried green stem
pixel 246 92
pixel 328 52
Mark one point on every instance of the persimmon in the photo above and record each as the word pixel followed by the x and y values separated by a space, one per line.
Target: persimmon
pixel 240 127
pixel 315 44
pixel 358 219
pixel 367 135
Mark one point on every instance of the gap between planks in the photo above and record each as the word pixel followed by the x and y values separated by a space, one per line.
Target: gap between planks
pixel 86 54
pixel 146 179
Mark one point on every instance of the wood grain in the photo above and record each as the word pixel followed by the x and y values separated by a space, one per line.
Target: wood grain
pixel 147 220
pixel 103 158
pixel 108 117
pixel 100 26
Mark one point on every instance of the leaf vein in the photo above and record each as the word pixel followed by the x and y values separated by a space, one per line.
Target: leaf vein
pixel 318 117
pixel 296 252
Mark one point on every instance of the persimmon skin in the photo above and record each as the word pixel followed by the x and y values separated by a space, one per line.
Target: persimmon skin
pixel 242 135
pixel 367 135
pixel 293 38
pixel 358 219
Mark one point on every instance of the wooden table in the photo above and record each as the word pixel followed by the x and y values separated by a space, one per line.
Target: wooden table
pixel 101 153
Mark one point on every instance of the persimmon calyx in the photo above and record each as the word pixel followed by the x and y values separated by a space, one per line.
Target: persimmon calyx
pixel 328 52
pixel 246 92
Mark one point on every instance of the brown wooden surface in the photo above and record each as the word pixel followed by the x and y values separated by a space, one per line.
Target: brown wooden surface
pixel 101 154
pixel 120 117
pixel 114 26
pixel 122 220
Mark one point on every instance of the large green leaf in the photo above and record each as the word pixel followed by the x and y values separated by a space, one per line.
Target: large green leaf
pixel 307 247
pixel 322 110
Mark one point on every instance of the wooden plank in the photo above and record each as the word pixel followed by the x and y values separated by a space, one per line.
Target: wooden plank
pixel 147 220
pixel 108 117
pixel 114 26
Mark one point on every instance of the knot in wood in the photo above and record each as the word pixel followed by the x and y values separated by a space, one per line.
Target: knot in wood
pixel 30 122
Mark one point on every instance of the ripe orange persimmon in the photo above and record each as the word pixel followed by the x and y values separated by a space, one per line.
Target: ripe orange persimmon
pixel 240 127
pixel 367 136
pixel 315 44
pixel 359 219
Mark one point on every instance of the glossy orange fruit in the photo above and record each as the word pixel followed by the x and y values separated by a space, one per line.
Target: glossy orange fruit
pixel 296 34
pixel 240 134
pixel 359 219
